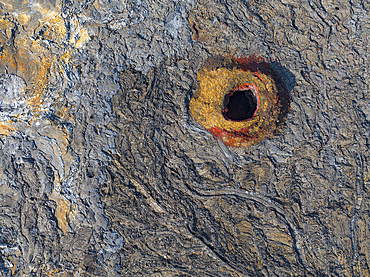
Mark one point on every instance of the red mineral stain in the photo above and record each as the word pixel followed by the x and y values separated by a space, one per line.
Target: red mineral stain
pixel 238 100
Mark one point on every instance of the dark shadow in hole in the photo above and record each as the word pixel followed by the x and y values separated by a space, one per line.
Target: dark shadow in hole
pixel 239 105
pixel 284 80
pixel 285 83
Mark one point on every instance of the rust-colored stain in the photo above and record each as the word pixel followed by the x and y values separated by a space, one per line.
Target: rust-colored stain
pixel 198 33
pixel 221 76
pixel 5 129
pixel 33 45
pixel 62 212
pixel 25 54
pixel 14 265
pixel 33 42
pixel 204 24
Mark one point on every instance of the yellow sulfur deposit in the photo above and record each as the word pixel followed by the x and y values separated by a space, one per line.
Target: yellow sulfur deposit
pixel 216 79
pixel 32 42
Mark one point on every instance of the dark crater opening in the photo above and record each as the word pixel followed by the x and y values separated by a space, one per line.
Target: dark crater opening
pixel 239 105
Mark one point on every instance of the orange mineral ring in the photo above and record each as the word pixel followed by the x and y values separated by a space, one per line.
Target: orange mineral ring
pixel 240 101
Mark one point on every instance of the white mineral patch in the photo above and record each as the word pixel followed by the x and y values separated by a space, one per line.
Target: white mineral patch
pixel 12 97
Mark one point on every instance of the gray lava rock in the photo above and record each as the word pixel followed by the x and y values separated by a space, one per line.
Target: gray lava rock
pixel 114 178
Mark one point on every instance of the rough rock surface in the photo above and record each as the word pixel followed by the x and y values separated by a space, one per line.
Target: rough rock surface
pixel 104 173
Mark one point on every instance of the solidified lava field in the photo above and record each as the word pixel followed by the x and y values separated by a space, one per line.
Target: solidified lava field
pixel 105 172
